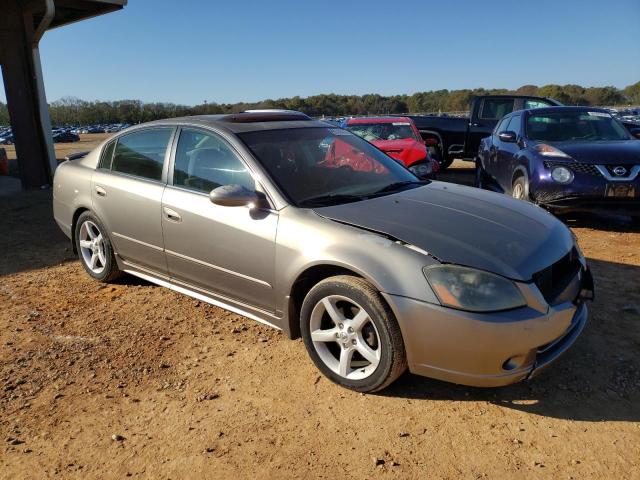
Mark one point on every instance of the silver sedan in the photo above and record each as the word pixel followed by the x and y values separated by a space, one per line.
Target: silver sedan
pixel 310 229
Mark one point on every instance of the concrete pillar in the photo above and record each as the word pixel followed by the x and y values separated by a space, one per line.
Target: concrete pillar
pixel 24 88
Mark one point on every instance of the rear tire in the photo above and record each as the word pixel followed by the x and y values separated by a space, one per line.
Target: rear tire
pixel 481 176
pixel 94 249
pixel 351 334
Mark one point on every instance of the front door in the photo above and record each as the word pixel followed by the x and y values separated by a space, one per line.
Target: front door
pixel 127 192
pixel 229 251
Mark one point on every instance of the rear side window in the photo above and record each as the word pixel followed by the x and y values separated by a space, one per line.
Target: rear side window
pixel 514 124
pixel 142 153
pixel 496 108
pixel 528 104
pixel 107 155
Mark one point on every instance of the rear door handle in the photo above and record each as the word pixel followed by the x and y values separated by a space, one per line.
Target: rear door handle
pixel 172 215
pixel 101 191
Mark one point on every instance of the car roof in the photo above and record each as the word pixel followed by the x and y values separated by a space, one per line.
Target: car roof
pixel 245 121
pixel 354 120
pixel 543 110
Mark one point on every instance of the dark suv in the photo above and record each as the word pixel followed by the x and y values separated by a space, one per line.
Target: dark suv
pixel 564 158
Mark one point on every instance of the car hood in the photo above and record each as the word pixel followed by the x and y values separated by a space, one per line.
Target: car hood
pixel 602 153
pixel 406 149
pixel 464 226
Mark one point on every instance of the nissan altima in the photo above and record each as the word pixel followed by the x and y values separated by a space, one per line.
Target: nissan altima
pixel 376 270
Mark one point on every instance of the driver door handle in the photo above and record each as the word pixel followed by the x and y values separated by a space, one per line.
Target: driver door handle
pixel 101 191
pixel 172 215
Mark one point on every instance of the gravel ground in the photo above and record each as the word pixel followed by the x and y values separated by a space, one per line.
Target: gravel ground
pixel 130 379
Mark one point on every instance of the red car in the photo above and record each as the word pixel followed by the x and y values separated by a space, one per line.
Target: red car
pixel 399 138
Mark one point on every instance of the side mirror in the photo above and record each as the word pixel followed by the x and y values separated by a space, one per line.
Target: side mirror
pixel 635 132
pixel 236 196
pixel 508 136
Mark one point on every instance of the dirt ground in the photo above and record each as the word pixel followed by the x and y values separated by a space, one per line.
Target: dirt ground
pixel 133 380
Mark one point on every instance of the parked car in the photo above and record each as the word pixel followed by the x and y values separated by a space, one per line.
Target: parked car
pixel 459 137
pixel 375 269
pixel 563 158
pixel 398 138
pixel 6 139
pixel 65 136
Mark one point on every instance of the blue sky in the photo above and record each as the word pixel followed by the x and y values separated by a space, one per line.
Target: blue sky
pixel 228 51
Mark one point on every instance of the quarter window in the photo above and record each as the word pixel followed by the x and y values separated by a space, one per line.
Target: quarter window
pixel 204 161
pixel 142 153
pixel 107 155
pixel 496 108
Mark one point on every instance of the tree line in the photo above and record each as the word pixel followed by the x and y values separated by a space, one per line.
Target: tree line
pixel 74 111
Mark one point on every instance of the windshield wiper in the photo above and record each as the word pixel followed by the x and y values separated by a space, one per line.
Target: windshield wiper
pixel 392 187
pixel 329 199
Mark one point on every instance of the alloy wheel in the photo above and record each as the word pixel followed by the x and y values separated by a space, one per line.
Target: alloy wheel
pixel 344 337
pixel 92 248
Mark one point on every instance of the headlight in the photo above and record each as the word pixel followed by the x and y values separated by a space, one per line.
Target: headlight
pixel 421 169
pixel 562 175
pixel 473 290
pixel 549 151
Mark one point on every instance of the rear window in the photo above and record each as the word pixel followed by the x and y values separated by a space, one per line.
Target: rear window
pixel 142 153
pixel 496 108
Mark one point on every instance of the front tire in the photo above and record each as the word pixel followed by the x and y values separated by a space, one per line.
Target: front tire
pixel 519 188
pixel 94 249
pixel 351 334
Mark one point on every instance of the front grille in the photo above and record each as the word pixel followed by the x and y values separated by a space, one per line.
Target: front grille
pixel 554 280
pixel 610 169
pixel 585 168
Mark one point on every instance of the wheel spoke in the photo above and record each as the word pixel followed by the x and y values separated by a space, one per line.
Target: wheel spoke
pixel 99 238
pixel 360 320
pixel 85 244
pixel 345 361
pixel 324 335
pixel 94 261
pixel 333 312
pixel 369 354
pixel 102 257
pixel 92 235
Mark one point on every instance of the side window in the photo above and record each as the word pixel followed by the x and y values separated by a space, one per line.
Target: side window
pixel 142 153
pixel 496 108
pixel 514 124
pixel 535 104
pixel 205 161
pixel 502 126
pixel 107 155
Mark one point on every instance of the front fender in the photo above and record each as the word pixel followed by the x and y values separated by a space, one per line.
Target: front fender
pixel 305 239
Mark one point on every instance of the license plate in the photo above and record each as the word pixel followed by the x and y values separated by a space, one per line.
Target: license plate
pixel 620 190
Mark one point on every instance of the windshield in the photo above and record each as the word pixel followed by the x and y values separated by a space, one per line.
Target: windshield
pixel 326 166
pixel 574 125
pixel 383 131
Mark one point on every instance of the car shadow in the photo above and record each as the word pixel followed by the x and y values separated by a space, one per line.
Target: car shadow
pixel 597 379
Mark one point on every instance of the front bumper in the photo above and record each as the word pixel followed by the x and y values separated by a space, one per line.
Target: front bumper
pixel 587 192
pixel 485 350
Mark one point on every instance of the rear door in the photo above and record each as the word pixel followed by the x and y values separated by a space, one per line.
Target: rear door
pixel 127 192
pixel 492 166
pixel 229 251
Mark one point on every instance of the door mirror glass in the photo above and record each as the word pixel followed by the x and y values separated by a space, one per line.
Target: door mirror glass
pixel 508 136
pixel 635 132
pixel 236 196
